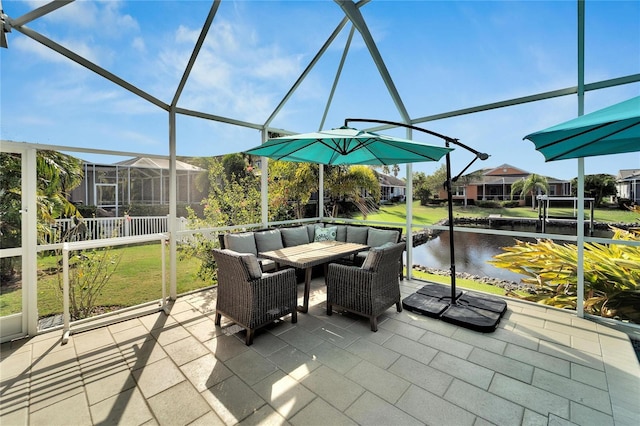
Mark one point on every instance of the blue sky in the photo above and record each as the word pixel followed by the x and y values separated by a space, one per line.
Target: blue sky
pixel 442 55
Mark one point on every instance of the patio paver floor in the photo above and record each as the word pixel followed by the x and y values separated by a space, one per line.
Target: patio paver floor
pixel 542 366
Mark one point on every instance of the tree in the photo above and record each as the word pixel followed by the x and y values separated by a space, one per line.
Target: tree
pixel 346 183
pixel 532 184
pixel 57 175
pixel 435 182
pixel 596 186
pixel 235 167
pixel 291 183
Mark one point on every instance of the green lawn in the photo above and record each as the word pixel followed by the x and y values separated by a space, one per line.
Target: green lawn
pixel 136 280
pixel 430 215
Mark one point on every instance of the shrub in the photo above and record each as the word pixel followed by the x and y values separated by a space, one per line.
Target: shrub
pixel 488 204
pixel 611 274
pixel 510 204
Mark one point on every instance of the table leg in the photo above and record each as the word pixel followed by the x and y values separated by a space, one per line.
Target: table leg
pixel 304 308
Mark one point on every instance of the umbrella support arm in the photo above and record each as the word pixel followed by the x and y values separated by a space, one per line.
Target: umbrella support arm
pixel 448 140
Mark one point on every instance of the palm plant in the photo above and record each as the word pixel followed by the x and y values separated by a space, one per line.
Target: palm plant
pixel 347 183
pixel 611 274
pixel 532 184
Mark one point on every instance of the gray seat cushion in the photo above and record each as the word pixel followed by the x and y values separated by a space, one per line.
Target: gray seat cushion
pixel 295 236
pixel 268 240
pixel 378 237
pixel 242 242
pixel 357 234
pixel 341 233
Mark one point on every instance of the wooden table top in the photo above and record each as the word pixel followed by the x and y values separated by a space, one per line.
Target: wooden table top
pixel 312 254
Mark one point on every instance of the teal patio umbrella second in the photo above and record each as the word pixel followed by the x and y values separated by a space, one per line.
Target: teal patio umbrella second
pixel 346 145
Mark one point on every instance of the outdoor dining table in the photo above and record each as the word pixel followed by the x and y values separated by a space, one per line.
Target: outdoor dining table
pixel 306 256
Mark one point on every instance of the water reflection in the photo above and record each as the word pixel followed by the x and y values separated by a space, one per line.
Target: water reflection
pixel 472 251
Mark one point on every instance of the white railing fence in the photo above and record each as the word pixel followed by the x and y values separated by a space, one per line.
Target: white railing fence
pixel 69 230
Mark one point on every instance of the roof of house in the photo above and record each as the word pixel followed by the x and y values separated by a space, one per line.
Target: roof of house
pixel 387 180
pixel 628 174
pixel 505 173
pixel 157 163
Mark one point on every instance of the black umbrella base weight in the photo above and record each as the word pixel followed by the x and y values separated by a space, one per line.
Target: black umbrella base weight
pixel 471 310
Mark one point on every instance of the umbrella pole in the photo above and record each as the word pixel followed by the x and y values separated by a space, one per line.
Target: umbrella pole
pixel 452 251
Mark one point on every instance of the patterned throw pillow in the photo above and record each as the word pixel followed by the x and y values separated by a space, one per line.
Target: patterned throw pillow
pixel 326 234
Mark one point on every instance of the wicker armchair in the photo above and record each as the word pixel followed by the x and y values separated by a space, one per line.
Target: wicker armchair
pixel 368 290
pixel 249 297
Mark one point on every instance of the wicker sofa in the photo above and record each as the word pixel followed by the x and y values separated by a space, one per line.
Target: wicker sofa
pixel 276 238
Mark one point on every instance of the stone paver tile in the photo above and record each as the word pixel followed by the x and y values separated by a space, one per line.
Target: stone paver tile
pixel 484 341
pixel 157 320
pixel 320 413
pixel 170 334
pixel 589 376
pixel 203 330
pixel 189 316
pixel 15 400
pixel 72 410
pixel 142 352
pixel 59 360
pixel 411 349
pixel 102 386
pixel 126 408
pixel 428 378
pixel 584 415
pixel 49 388
pixel 14 416
pixel 531 418
pixel 575 391
pixel 267 344
pixel 431 409
pixel 381 382
pixel 185 350
pixel 233 400
pixel 559 421
pixel 294 362
pixel 226 347
pixel 124 325
pixel 265 416
pixel 462 369
pixel 446 344
pixel 154 378
pixel 369 409
pixel 301 338
pixel 15 364
pixel 431 324
pixel 334 357
pixel 626 415
pixel 178 405
pixel 484 404
pixel 409 331
pixel 570 330
pixel 341 337
pixel 205 372
pixel 130 335
pixel 540 360
pixel 374 353
pixel 284 393
pixel 544 334
pixel 530 396
pixel 333 387
pixel 516 337
pixel 364 333
pixel 524 318
pixel 47 343
pixel 210 419
pixel 92 340
pixel 251 367
pixel 586 345
pixel 502 364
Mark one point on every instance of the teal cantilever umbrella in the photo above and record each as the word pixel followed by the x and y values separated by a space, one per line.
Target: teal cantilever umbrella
pixel 346 145
pixel 611 130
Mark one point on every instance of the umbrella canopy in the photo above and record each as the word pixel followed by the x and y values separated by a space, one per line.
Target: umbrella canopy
pixel 346 145
pixel 612 130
